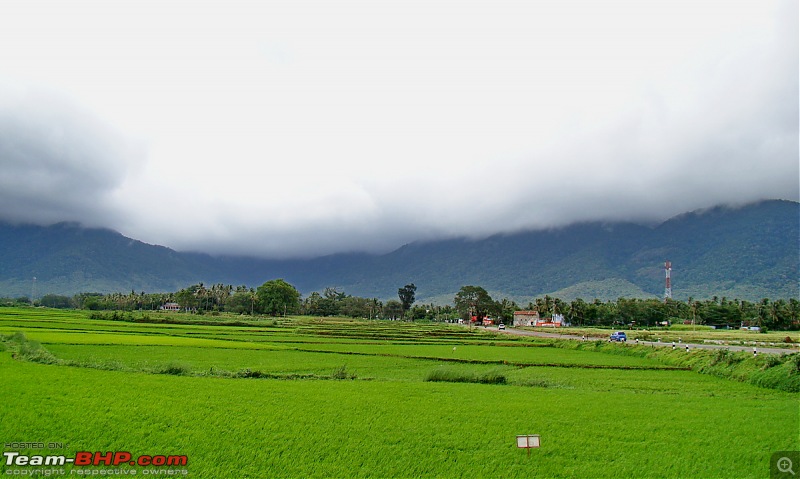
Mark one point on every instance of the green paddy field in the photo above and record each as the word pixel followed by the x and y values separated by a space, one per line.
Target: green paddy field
pixel 311 397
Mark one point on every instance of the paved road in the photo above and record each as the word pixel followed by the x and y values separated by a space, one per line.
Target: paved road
pixel 760 349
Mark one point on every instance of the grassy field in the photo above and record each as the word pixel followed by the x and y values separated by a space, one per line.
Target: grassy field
pixel 306 397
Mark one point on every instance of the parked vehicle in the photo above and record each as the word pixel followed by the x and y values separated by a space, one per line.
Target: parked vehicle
pixel 618 336
pixel 501 326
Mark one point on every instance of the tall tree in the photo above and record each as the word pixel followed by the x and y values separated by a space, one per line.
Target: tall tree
pixel 407 294
pixel 473 301
pixel 277 297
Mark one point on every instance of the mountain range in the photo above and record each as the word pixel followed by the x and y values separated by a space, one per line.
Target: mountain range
pixel 747 252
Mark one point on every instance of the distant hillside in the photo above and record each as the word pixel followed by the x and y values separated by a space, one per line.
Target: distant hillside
pixel 66 258
pixel 749 252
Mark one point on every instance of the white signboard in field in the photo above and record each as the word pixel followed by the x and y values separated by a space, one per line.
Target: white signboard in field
pixel 527 442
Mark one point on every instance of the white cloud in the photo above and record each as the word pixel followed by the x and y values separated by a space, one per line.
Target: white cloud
pixel 310 127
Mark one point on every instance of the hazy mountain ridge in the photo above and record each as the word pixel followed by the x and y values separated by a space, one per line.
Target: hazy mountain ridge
pixel 747 252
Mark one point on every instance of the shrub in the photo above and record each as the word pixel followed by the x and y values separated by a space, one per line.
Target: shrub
pixel 175 369
pixel 724 356
pixel 771 360
pixel 341 373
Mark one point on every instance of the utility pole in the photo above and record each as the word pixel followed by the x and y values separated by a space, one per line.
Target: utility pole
pixel 668 287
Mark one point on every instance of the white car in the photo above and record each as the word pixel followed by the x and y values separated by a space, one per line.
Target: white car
pixel 501 326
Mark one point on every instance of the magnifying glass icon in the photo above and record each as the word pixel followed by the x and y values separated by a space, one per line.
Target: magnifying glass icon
pixel 785 465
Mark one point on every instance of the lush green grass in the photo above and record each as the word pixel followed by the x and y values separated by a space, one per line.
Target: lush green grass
pixel 402 429
pixel 156 389
pixel 776 371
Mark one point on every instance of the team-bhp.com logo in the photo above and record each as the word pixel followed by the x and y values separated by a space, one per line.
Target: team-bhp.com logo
pixel 85 458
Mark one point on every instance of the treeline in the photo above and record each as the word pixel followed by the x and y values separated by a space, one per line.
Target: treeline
pixel 277 297
pixel 765 314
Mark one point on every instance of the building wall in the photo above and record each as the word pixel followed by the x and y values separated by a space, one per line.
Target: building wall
pixel 525 318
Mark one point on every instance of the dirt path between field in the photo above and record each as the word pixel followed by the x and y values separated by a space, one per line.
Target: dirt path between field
pixel 759 349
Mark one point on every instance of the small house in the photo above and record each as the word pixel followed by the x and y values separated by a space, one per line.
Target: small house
pixel 170 307
pixel 526 318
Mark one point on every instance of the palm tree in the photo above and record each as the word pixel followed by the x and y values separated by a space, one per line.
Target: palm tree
pixel 763 311
pixel 201 293
pixel 577 309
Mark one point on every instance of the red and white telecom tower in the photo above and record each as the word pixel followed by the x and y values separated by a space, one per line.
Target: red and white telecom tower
pixel 668 287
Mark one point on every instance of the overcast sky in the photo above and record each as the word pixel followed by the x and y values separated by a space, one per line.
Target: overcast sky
pixel 310 127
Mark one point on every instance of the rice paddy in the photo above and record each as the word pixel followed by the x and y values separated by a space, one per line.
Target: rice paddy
pixel 311 397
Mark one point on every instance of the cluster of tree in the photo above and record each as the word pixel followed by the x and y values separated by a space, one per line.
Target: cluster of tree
pixel 277 297
pixel 197 297
pixel 333 302
pixel 778 314
pixel 474 301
